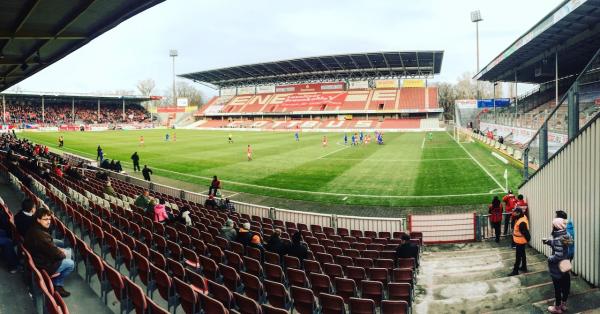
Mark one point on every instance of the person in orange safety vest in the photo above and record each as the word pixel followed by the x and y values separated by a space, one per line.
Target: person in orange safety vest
pixel 521 237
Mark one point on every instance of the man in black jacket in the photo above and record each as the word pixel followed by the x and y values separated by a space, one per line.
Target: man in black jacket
pixel 46 255
pixel 407 249
pixel 146 172
pixel 275 244
pixel 136 161
pixel 24 219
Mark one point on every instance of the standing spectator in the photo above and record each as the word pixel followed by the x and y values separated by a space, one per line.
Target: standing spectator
pixel 160 212
pixel 571 231
pixel 146 172
pixel 46 255
pixel 510 203
pixel 298 249
pixel 495 210
pixel 560 277
pixel 136 161
pixel 214 186
pixel 228 231
pixel 521 237
pixel 6 243
pixel 24 219
pixel 275 244
pixel 521 202
pixel 406 249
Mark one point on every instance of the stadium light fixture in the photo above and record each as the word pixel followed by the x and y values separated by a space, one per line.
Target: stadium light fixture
pixel 173 53
pixel 476 18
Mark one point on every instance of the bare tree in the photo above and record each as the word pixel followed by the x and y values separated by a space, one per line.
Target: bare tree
pixel 146 87
pixel 464 88
pixel 186 90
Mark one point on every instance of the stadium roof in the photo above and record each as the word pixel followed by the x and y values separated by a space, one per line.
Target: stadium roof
pixel 78 98
pixel 326 68
pixel 572 28
pixel 37 33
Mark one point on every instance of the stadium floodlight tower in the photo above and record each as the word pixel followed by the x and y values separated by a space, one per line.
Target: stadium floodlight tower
pixel 173 53
pixel 476 18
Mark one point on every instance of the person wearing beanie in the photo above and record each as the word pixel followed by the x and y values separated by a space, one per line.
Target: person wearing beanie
pixel 244 234
pixel 521 237
pixel 561 279
pixel 298 249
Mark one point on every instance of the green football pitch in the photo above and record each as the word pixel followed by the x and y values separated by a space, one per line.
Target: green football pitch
pixel 410 169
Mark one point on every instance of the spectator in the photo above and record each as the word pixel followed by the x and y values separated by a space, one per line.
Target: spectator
pixel 99 154
pixel 244 235
pixel 184 216
pixel 521 237
pixel 210 202
pixel 6 243
pixel 58 172
pixel 521 202
pixel 406 249
pixel 46 255
pixel 214 186
pixel 571 231
pixel 229 205
pixel 146 172
pixel 160 212
pixel 24 219
pixel 297 249
pixel 495 210
pixel 275 244
pixel 510 203
pixel 556 265
pixel 143 200
pixel 228 231
pixel 108 189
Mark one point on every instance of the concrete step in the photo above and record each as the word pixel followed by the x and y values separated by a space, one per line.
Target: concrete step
pixel 505 293
pixel 587 301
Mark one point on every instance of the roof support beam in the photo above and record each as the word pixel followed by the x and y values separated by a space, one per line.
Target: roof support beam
pixel 28 8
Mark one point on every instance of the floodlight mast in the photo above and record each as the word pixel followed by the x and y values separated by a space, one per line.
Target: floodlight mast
pixel 476 18
pixel 173 53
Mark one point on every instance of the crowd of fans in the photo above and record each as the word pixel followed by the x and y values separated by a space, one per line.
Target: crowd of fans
pixel 19 113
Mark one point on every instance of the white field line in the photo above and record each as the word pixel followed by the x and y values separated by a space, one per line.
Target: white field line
pixel 400 160
pixel 335 151
pixel 300 191
pixel 423 143
pixel 477 162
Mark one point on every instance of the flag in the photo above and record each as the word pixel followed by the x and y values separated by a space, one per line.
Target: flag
pixel 505 173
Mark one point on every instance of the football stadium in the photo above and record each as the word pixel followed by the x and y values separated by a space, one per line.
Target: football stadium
pixel 358 182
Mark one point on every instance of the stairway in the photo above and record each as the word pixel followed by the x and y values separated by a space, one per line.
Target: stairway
pixel 473 278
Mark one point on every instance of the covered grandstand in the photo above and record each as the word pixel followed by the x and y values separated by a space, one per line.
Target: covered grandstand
pixel 383 90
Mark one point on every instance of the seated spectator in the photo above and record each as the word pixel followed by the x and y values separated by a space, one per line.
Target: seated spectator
pixel 46 255
pixel 58 172
pixel 407 249
pixel 275 244
pixel 297 249
pixel 210 202
pixel 6 243
pixel 228 231
pixel 184 216
pixel 256 242
pixel 160 212
pixel 24 219
pixel 143 200
pixel 229 205
pixel 244 235
pixel 108 189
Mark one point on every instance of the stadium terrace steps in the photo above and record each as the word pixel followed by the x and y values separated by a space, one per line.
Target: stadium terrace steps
pixel 472 278
pixel 405 124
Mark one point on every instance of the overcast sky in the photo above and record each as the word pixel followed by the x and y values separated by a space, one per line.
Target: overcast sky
pixel 211 34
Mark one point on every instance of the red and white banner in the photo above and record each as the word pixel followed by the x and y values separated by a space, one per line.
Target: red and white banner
pixel 316 87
